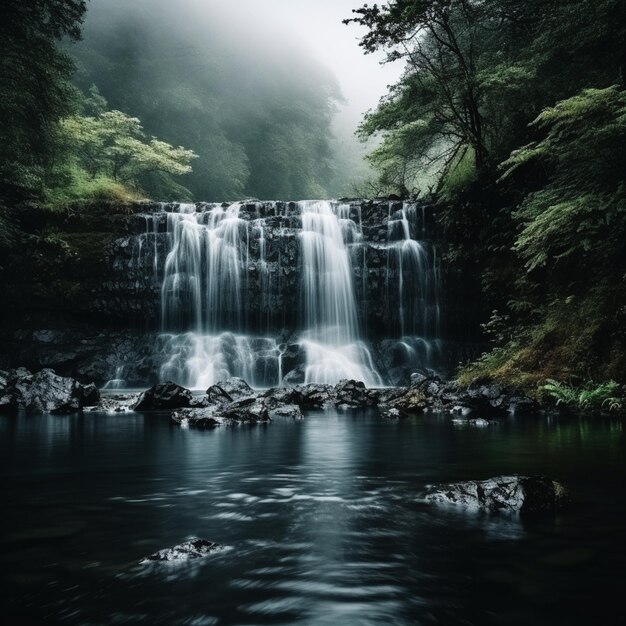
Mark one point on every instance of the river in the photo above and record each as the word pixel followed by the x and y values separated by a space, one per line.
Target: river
pixel 321 522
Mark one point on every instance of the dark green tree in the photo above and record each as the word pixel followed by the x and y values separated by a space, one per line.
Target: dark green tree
pixel 35 91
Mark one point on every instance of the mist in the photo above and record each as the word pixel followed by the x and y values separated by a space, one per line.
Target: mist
pixel 268 94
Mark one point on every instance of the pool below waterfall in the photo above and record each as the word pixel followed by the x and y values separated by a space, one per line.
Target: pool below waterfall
pixel 321 522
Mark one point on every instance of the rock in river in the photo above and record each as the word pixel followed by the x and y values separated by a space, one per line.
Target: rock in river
pixel 192 549
pixel 43 392
pixel 167 395
pixel 502 493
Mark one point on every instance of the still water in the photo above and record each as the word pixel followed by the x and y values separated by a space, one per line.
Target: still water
pixel 321 522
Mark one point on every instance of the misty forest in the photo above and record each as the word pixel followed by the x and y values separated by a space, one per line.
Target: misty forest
pixel 314 312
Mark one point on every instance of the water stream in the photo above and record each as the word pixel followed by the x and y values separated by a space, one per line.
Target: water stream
pixel 227 307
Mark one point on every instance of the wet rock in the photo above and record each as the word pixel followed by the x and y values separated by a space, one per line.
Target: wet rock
pixel 192 549
pixel 405 400
pixel 390 414
pixel 295 376
pixel 117 403
pixel 197 417
pixel 352 394
pixel 417 379
pixel 287 410
pixel 476 423
pixel 502 493
pixel 228 390
pixel 43 392
pixel 166 395
pixel 279 396
pixel 315 396
pixel 247 410
pixel 483 399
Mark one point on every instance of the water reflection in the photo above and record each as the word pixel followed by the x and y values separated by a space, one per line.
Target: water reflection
pixel 322 521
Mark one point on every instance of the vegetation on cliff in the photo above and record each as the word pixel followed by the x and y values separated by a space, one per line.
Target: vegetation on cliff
pixel 514 115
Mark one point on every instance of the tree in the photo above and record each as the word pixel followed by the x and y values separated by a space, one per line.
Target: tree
pixel 113 144
pixel 34 89
pixel 578 212
pixel 439 42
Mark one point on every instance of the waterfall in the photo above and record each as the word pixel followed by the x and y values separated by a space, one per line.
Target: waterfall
pixel 331 340
pixel 201 294
pixel 278 292
pixel 416 292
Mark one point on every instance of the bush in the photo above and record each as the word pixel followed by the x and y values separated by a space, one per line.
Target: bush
pixel 592 397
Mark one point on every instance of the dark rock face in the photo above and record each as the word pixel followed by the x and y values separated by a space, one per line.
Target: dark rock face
pixel 43 392
pixel 502 493
pixel 91 395
pixel 192 549
pixel 166 395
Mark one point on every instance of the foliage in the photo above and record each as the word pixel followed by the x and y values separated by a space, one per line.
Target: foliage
pixel 582 206
pixel 607 396
pixel 537 86
pixel 113 146
pixel 256 112
pixel 34 89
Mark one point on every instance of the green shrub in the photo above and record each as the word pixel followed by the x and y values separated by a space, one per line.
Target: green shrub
pixel 592 397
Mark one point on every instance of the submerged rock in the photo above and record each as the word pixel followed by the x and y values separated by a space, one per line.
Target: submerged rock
pixel 118 403
pixel 502 493
pixel 192 549
pixel 197 417
pixel 166 395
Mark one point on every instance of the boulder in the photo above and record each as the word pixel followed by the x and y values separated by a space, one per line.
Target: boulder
pixel 502 493
pixel 279 396
pixel 485 399
pixel 247 410
pixel 43 392
pixel 228 390
pixel 192 549
pixel 315 396
pixel 353 394
pixel 166 395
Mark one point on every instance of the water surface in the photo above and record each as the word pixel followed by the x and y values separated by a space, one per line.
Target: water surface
pixel 321 522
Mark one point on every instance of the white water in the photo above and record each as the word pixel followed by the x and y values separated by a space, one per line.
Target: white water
pixel 210 253
pixel 331 341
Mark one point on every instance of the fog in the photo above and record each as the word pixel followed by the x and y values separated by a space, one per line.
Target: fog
pixel 268 93
pixel 316 27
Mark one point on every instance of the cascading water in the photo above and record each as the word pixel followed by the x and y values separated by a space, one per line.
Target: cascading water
pixel 416 289
pixel 202 293
pixel 331 341
pixel 291 292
